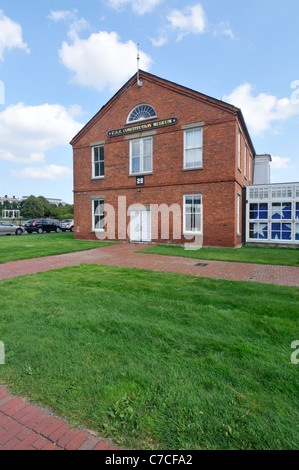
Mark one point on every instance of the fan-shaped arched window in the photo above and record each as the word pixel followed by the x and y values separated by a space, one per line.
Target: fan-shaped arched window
pixel 142 112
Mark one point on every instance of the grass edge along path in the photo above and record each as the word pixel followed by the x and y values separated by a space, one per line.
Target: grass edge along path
pixel 255 255
pixel 17 248
pixel 155 360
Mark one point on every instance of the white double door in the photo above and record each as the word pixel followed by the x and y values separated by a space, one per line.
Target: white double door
pixel 140 226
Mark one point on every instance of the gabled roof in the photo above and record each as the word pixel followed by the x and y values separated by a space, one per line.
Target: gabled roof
pixel 172 86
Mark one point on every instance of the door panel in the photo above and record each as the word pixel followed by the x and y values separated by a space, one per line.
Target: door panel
pixel 135 226
pixel 140 226
pixel 146 226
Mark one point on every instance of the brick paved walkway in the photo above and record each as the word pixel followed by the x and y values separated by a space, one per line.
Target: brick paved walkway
pixel 127 255
pixel 27 427
pixel 24 426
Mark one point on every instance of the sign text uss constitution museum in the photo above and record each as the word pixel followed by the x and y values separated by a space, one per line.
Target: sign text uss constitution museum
pixel 143 127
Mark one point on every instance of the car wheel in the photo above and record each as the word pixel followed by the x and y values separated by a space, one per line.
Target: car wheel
pixel 58 230
pixel 39 230
pixel 72 229
pixel 19 231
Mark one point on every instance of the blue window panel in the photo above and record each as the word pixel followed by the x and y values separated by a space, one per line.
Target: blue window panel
pixel 264 234
pixel 276 211
pixel 286 231
pixel 254 211
pixel 258 211
pixel 275 232
pixel 259 231
pixel 297 210
pixel 281 231
pixel 286 236
pixel 287 211
pixel 263 211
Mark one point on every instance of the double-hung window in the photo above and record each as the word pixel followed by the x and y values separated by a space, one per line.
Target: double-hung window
pixel 193 214
pixel 141 156
pixel 193 148
pixel 98 215
pixel 98 162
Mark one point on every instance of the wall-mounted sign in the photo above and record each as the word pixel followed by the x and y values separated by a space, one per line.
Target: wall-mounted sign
pixel 139 180
pixel 143 127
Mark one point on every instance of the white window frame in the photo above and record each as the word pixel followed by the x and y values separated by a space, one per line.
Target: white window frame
pixel 143 107
pixel 238 213
pixel 94 200
pixel 94 162
pixel 192 232
pixel 239 148
pixel 193 148
pixel 141 156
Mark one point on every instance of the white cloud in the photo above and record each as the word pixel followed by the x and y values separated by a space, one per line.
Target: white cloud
pixel 281 163
pixel 190 20
pixel 34 158
pixel 102 60
pixel 161 41
pixel 27 132
pixel 10 35
pixel 61 15
pixel 48 172
pixel 224 29
pixel 77 24
pixel 139 6
pixel 261 111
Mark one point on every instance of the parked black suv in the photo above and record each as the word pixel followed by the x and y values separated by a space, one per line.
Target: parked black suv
pixel 42 225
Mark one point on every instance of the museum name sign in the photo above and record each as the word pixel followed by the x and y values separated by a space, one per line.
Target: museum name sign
pixel 143 127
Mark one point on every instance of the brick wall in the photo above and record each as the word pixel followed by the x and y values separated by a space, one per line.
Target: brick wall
pixel 218 181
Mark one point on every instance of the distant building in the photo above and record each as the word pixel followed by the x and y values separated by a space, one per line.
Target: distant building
pixel 10 199
pixel 261 173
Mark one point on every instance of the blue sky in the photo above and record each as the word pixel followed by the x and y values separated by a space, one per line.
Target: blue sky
pixel 61 61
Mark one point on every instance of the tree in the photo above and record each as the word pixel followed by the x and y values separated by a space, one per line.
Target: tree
pixel 48 208
pixel 64 212
pixel 32 207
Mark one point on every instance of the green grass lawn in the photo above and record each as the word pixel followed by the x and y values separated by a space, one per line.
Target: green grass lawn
pixel 155 360
pixel 14 248
pixel 246 254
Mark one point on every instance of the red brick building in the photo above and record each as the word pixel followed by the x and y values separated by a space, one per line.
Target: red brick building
pixel 159 152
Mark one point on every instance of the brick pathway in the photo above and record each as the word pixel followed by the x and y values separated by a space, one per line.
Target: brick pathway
pixel 127 255
pixel 27 427
pixel 24 426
